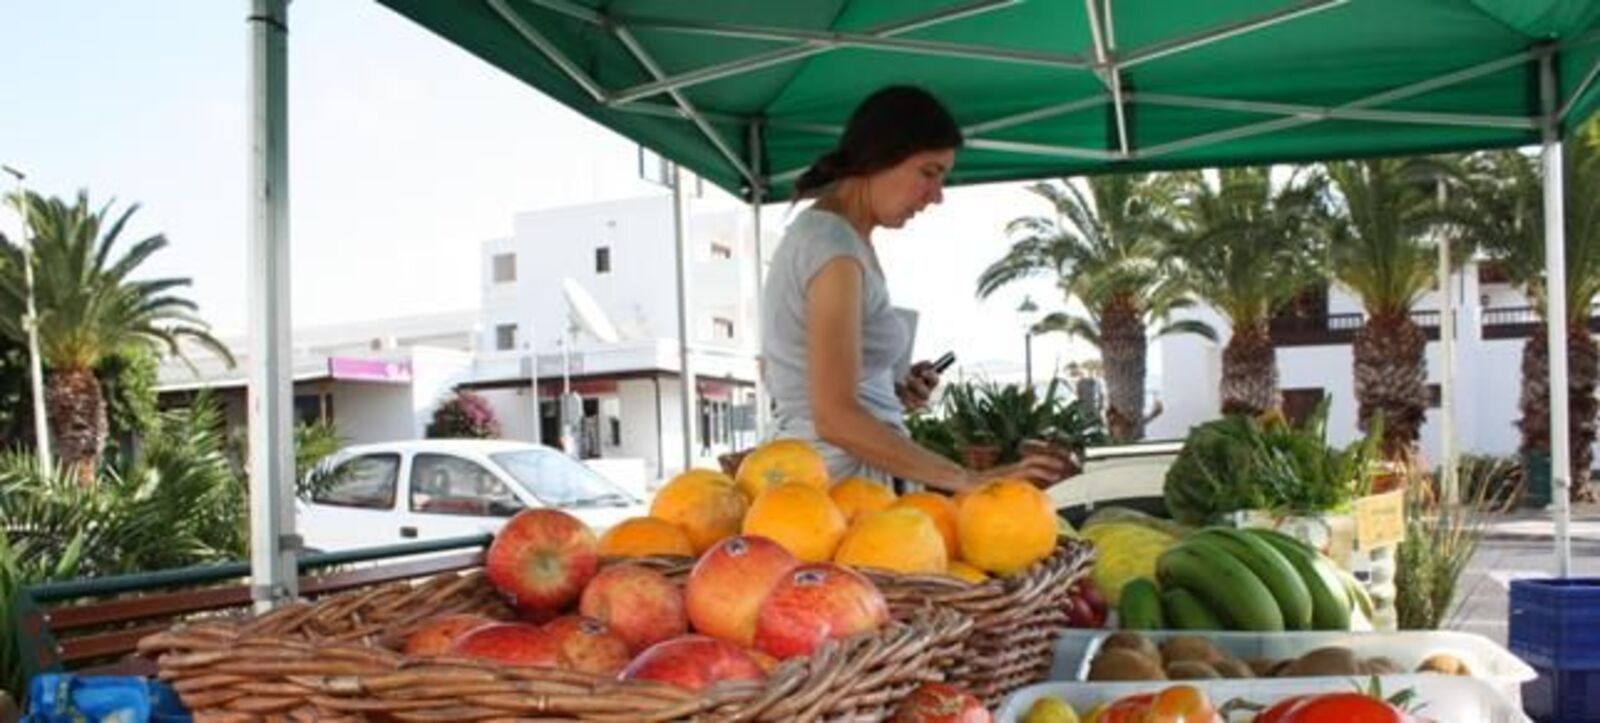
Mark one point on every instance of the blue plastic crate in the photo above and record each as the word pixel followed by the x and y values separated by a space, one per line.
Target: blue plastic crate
pixel 1563 696
pixel 1555 623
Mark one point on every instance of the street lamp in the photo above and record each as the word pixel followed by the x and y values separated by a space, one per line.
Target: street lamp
pixel 1028 310
pixel 41 427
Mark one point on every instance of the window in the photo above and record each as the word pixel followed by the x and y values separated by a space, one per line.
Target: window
pixel 505 268
pixel 505 337
pixel 721 328
pixel 366 481
pixel 443 484
pixel 1435 397
pixel 558 480
pixel 602 260
pixel 1300 404
pixel 313 408
pixel 721 250
pixel 616 431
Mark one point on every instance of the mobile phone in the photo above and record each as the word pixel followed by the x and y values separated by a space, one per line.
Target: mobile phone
pixel 944 362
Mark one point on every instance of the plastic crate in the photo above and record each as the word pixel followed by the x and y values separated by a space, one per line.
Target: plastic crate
pixel 1555 623
pixel 1563 696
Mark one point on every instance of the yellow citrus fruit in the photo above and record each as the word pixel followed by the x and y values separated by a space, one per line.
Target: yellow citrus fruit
pixel 706 504
pixel 801 518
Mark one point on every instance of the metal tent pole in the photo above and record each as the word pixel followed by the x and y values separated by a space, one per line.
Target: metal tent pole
pixel 1555 246
pixel 689 398
pixel 272 544
pixel 757 196
pixel 1447 369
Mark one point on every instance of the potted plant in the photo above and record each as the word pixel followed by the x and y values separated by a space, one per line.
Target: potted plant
pixel 968 413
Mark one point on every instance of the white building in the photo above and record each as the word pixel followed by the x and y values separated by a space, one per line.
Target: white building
pixel 377 381
pixel 622 254
pixel 1315 357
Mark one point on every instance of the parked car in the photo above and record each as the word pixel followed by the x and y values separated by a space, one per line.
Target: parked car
pixel 1131 475
pixel 377 494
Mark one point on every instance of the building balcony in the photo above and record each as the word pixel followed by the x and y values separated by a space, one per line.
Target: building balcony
pixel 1334 329
pixel 1521 322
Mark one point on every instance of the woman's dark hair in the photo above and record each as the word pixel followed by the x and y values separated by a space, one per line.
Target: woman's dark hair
pixel 888 127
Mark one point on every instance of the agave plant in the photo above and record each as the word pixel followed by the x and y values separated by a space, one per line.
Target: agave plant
pixel 90 307
pixel 1107 249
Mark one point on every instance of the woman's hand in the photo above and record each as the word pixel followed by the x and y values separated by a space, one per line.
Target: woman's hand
pixel 918 386
pixel 1043 470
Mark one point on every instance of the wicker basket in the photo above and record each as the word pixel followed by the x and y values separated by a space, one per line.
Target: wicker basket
pixel 335 660
pixel 1016 620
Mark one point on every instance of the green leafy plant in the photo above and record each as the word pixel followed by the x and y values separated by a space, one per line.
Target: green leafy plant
pixel 1440 540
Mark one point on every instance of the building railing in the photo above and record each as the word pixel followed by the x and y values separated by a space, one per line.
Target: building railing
pixel 1333 329
pixel 1520 322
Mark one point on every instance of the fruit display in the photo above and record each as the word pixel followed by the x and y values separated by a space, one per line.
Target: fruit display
pixel 1130 656
pixel 1126 547
pixel 1221 578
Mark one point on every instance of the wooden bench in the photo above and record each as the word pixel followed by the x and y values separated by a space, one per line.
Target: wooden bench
pixel 94 626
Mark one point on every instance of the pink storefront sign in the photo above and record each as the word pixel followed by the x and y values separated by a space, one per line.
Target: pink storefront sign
pixel 369 370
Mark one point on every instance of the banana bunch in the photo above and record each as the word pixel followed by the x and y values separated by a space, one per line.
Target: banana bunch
pixel 1221 578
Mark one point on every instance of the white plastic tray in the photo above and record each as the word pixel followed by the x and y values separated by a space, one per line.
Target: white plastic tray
pixel 1447 699
pixel 1488 661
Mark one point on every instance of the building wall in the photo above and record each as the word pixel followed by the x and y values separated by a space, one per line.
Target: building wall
pixel 515 410
pixel 371 412
pixel 435 373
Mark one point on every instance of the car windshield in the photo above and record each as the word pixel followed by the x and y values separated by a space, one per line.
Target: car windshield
pixel 560 481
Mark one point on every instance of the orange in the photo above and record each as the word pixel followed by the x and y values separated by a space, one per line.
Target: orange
pixel 901 539
pixel 943 512
pixel 644 536
pixel 799 517
pixel 1005 526
pixel 857 496
pixel 962 571
pixel 780 461
pixel 706 504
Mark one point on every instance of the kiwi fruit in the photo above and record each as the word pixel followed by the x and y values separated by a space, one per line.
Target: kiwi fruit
pixel 1333 660
pixel 1124 664
pixel 1125 640
pixel 1233 668
pixel 1444 663
pixel 1381 665
pixel 1191 670
pixel 1190 647
pixel 1263 667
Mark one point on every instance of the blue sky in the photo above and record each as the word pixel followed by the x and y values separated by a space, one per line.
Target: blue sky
pixel 405 154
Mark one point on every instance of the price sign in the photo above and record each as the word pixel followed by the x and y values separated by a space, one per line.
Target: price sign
pixel 1380 520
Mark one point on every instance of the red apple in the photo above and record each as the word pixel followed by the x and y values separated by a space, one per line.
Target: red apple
pixel 694 662
pixel 640 605
pixel 1097 602
pixel 585 644
pixel 437 634
pixel 940 703
pixel 727 585
pixel 514 643
pixel 816 603
pixel 542 559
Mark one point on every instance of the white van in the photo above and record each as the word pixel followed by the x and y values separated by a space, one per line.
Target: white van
pixel 392 492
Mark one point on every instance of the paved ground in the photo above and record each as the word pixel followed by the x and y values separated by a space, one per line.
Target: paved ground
pixel 1520 545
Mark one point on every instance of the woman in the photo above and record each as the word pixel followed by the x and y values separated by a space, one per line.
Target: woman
pixel 830 337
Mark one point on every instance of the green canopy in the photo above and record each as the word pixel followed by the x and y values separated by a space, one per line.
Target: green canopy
pixel 740 90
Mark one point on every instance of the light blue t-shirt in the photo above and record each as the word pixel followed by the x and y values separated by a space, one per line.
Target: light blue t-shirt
pixel 811 241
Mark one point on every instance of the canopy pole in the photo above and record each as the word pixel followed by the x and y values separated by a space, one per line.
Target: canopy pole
pixel 1447 369
pixel 757 195
pixel 1555 246
pixel 273 573
pixel 690 397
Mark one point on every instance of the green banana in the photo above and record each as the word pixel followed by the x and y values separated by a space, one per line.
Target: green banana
pixel 1222 582
pixel 1357 592
pixel 1280 577
pixel 1184 611
pixel 1330 602
pixel 1140 606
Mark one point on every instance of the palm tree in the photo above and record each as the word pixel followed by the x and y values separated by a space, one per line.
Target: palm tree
pixel 1248 248
pixel 1507 221
pixel 1382 251
pixel 89 308
pixel 1108 249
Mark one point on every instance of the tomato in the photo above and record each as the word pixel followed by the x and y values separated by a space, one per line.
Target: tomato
pixel 1344 708
pixel 1181 704
pixel 941 703
pixel 1279 712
